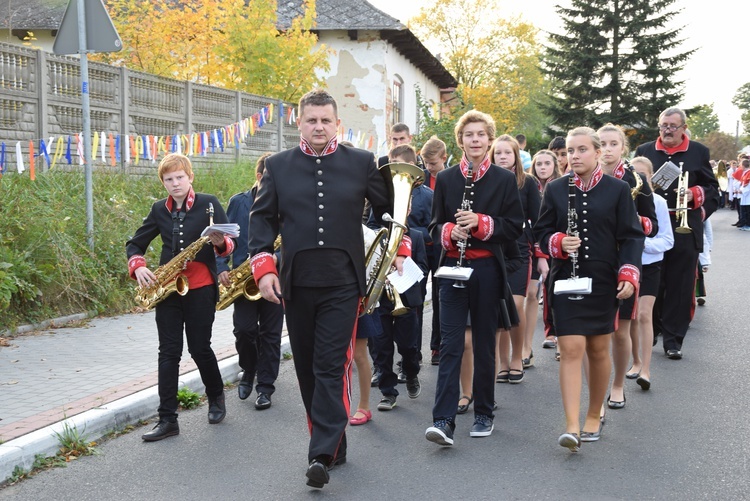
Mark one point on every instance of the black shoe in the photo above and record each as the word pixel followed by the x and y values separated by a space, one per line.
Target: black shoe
pixel 441 432
pixel 674 354
pixel 515 376
pixel 375 380
pixel 463 409
pixel 614 404
pixel 644 383
pixel 483 426
pixel 217 409
pixel 413 387
pixel 401 376
pixel 263 401
pixel 528 362
pixel 340 459
pixel 435 360
pixel 387 403
pixel 245 388
pixel 162 430
pixel 317 474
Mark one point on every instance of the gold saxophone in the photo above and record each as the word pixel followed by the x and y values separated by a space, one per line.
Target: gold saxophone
pixel 404 178
pixel 242 283
pixel 169 277
pixel 638 183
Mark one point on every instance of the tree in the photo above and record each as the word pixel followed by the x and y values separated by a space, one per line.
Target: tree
pixel 721 145
pixel 494 60
pixel 615 63
pixel 702 120
pixel 231 43
pixel 742 101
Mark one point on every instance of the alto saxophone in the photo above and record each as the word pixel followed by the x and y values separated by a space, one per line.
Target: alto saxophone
pixel 169 277
pixel 242 283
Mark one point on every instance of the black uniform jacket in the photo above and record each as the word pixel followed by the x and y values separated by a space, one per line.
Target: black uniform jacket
pixel 531 201
pixel 316 203
pixel 607 224
pixel 176 239
pixel 695 161
pixel 495 195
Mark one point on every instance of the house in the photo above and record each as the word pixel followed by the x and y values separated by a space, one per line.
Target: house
pixel 376 63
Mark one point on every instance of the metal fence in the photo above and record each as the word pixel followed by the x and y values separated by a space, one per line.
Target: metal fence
pixel 40 98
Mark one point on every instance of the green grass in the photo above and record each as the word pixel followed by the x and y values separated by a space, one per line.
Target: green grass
pixel 46 267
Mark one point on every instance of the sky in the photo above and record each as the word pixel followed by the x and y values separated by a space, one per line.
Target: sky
pixel 720 65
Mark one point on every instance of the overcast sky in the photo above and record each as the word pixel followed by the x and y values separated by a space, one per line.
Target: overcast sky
pixel 713 74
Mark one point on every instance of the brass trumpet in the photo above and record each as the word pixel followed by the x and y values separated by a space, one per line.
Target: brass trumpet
pixel 682 203
pixel 395 298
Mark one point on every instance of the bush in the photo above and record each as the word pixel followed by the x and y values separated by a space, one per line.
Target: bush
pixel 46 266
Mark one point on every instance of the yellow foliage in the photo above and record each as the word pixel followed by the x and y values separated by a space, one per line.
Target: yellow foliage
pixel 219 42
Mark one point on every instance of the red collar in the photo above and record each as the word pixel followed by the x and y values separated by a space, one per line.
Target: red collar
pixel 188 201
pixel 680 148
pixel 595 178
pixel 307 149
pixel 619 171
pixel 477 172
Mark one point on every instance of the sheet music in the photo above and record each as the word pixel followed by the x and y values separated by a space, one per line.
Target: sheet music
pixel 666 175
pixel 454 272
pixel 231 229
pixel 580 285
pixel 412 274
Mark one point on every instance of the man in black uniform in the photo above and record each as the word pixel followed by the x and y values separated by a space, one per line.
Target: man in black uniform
pixel 679 265
pixel 314 196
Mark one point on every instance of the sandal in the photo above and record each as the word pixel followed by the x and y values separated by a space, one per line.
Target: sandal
pixel 515 376
pixel 502 377
pixel 528 362
pixel 463 409
pixel 366 416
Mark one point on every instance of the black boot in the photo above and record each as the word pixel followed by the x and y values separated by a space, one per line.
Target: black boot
pixel 217 409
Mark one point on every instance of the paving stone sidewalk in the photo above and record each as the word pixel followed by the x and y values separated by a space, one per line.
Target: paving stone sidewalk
pixel 54 374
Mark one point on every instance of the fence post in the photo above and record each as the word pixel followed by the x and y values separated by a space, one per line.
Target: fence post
pixel 280 125
pixel 238 151
pixel 124 114
pixel 41 92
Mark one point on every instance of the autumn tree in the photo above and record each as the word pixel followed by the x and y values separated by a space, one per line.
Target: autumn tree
pixel 615 61
pixel 494 59
pixel 230 43
pixel 741 100
pixel 721 145
pixel 702 120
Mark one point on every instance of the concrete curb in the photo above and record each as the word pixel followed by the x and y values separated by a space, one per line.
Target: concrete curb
pixel 57 322
pixel 102 420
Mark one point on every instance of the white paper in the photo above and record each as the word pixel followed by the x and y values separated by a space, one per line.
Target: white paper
pixel 580 285
pixel 412 274
pixel 231 229
pixel 454 272
pixel 666 175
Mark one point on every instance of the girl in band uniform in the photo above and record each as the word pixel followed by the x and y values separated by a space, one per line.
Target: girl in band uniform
pixel 609 252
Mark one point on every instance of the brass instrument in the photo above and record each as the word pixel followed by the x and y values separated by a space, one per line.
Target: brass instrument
pixel 721 176
pixel 398 306
pixel 635 191
pixel 404 178
pixel 242 283
pixel 682 203
pixel 169 277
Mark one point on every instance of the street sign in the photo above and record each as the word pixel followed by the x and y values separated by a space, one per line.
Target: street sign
pixel 101 35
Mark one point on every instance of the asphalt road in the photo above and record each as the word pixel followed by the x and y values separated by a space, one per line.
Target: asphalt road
pixel 687 438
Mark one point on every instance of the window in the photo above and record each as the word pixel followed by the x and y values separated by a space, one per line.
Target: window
pixel 398 98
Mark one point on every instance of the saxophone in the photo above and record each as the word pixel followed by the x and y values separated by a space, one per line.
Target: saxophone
pixel 636 190
pixel 242 283
pixel 169 277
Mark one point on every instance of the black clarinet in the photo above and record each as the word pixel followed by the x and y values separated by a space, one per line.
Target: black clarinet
pixel 466 203
pixel 573 229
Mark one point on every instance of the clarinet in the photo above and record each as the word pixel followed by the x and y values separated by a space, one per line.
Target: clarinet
pixel 466 204
pixel 573 229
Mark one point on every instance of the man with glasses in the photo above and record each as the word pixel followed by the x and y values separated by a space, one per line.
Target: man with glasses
pixel 675 301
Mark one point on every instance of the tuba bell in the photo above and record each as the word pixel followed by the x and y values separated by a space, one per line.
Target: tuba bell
pixel 404 178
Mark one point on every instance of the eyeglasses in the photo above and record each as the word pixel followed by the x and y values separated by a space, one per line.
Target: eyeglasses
pixel 670 127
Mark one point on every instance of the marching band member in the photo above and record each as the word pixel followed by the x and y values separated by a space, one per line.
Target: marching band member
pixel 608 252
pixel 483 211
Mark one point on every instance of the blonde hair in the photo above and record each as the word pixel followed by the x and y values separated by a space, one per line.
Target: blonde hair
pixel 645 162
pixel 517 163
pixel 587 131
pixel 174 162
pixel 617 130
pixel 474 116
pixel 434 148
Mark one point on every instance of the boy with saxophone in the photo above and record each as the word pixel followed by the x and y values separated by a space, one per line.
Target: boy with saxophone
pixel 257 324
pixel 180 219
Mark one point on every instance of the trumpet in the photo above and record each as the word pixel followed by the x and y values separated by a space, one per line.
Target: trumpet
pixel 682 203
pixel 398 305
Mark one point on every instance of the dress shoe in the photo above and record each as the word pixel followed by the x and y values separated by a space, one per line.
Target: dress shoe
pixel 614 404
pixel 644 383
pixel 245 388
pixel 632 375
pixel 263 401
pixel 217 409
pixel 162 430
pixel 375 380
pixel 317 474
pixel 340 459
pixel 674 354
pixel 592 436
pixel 570 441
pixel 435 359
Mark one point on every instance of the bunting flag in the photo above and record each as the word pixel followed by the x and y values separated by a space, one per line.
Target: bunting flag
pixel 32 170
pixel 43 151
pixel 104 148
pixel 112 150
pixel 2 159
pixel 94 147
pixel 79 148
pixel 19 158
pixel 117 148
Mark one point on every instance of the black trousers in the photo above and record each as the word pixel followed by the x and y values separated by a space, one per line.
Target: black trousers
pixel 322 326
pixel 193 312
pixel 257 333
pixel 403 331
pixel 678 287
pixel 480 298
pixel 433 257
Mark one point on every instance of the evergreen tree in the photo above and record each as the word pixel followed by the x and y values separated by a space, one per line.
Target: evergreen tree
pixel 616 62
